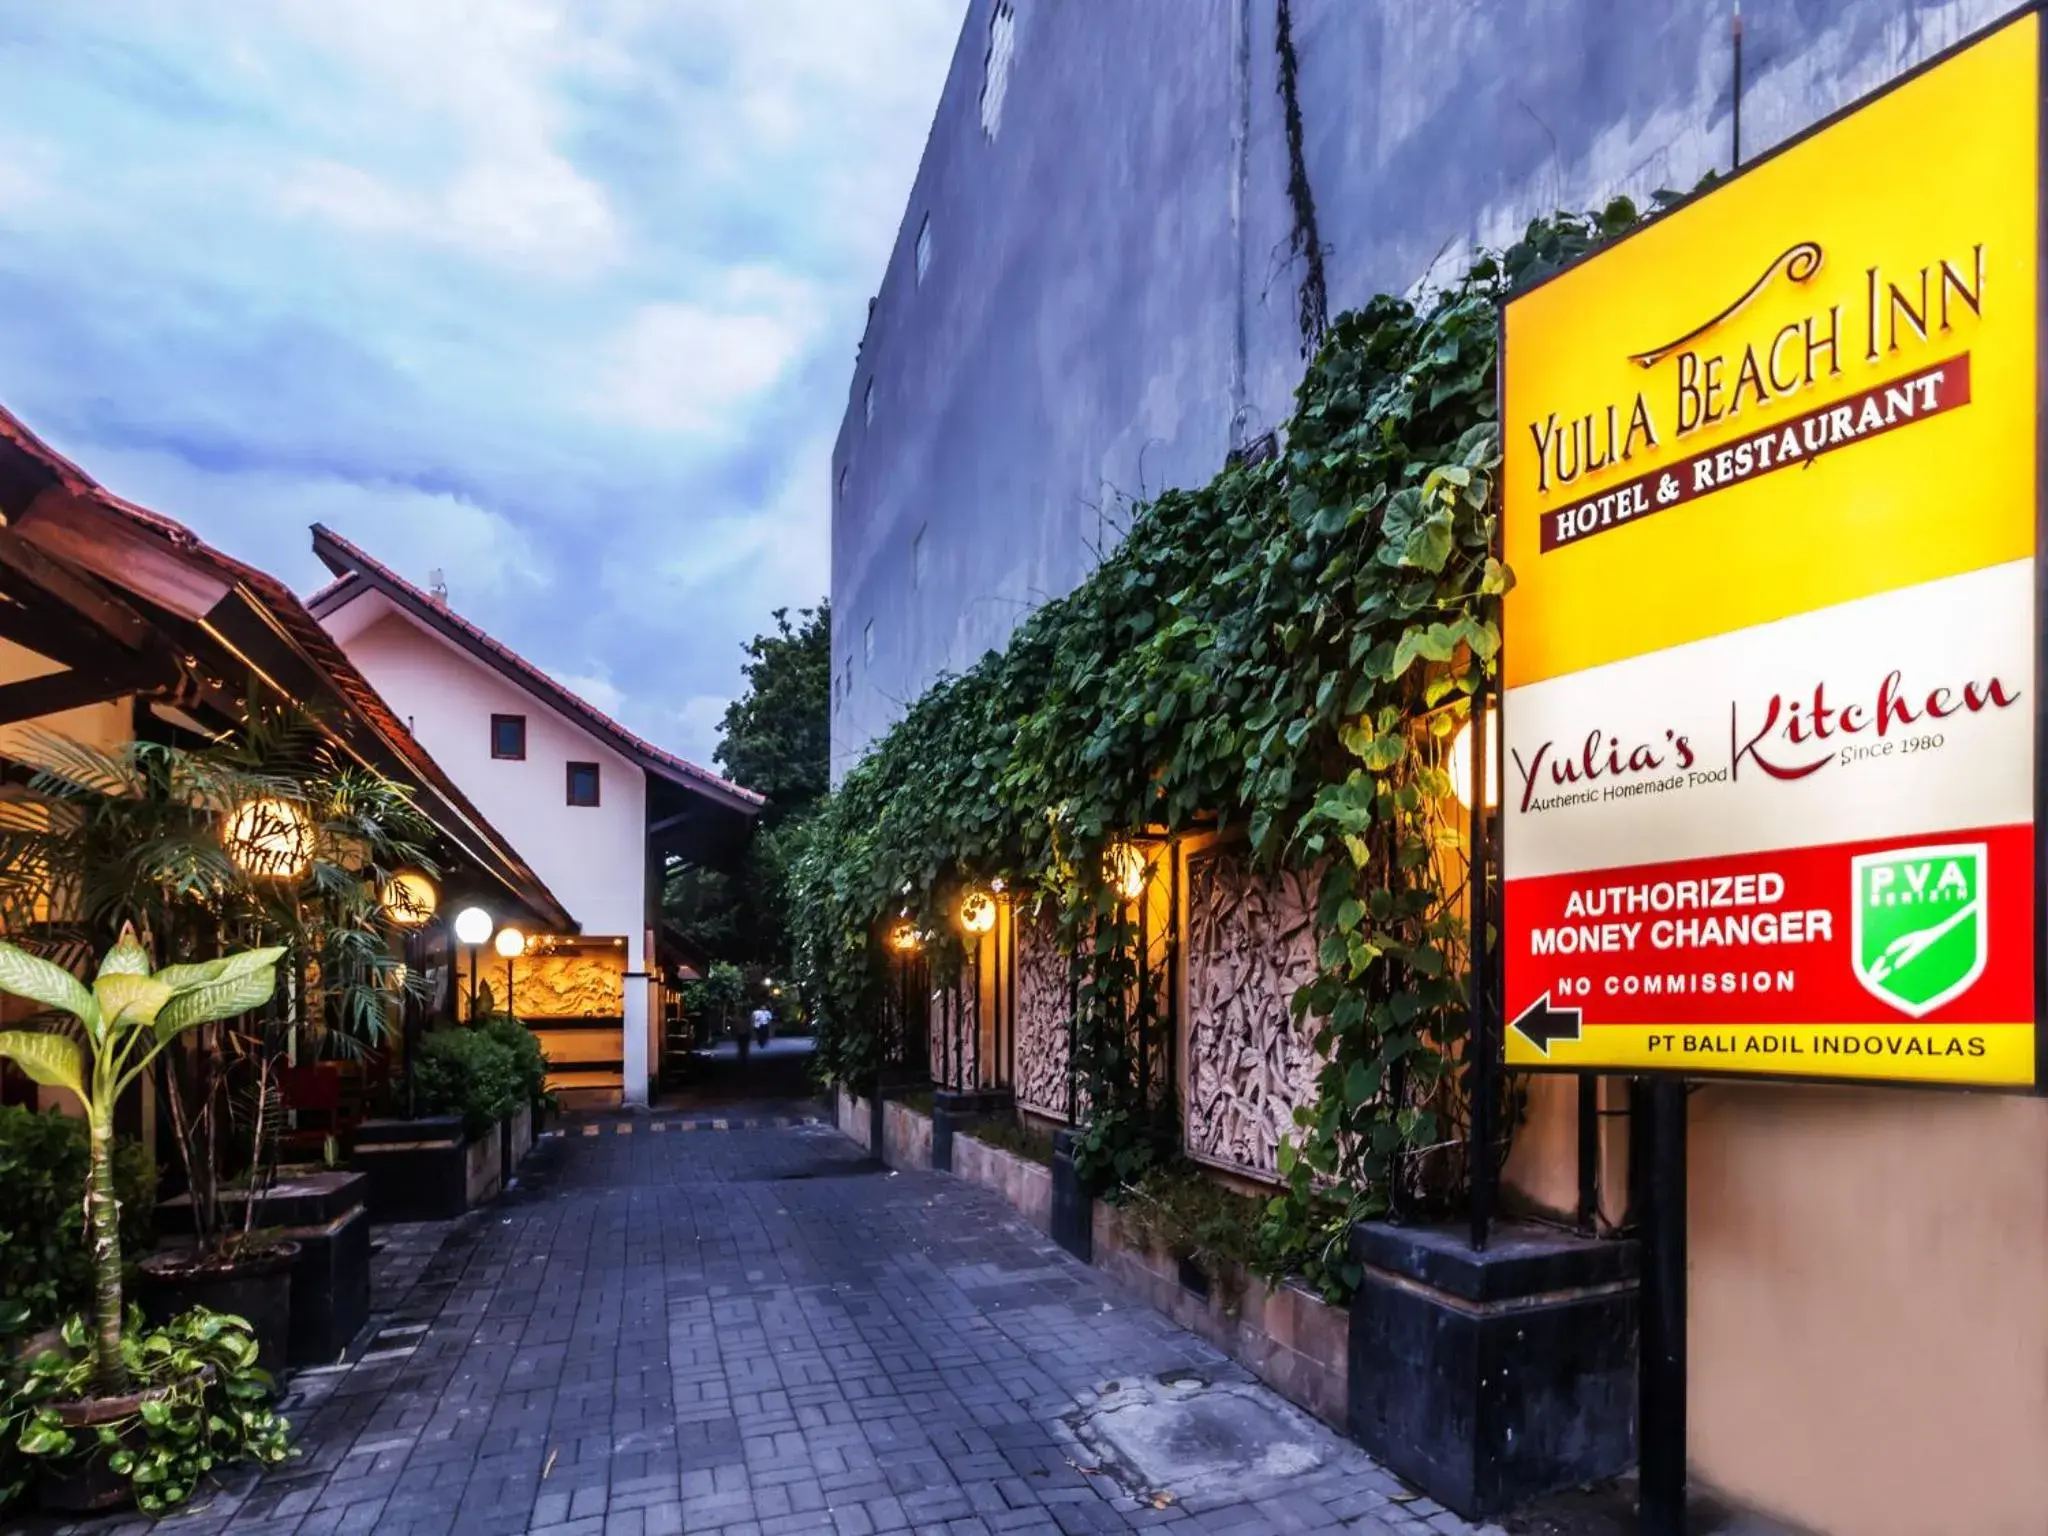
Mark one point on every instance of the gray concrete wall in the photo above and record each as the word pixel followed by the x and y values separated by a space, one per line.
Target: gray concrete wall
pixel 1110 301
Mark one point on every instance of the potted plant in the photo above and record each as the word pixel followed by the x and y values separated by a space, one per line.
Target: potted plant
pixel 107 1038
pixel 260 838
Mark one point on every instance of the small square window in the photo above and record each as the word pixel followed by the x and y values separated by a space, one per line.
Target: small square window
pixel 508 736
pixel 918 564
pixel 583 783
pixel 867 404
pixel 842 484
pixel 924 248
pixel 867 642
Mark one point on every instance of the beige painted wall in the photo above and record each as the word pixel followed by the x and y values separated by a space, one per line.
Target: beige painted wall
pixel 1868 1352
pixel 1869 1345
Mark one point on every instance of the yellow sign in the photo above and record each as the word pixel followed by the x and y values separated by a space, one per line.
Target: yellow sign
pixel 1769 495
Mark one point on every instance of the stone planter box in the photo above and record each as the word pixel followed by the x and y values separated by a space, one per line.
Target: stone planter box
pixel 1025 1185
pixel 906 1136
pixel 515 1140
pixel 326 1213
pixel 956 1112
pixel 853 1117
pixel 1286 1335
pixel 1073 1207
pixel 1489 1378
pixel 426 1170
pixel 484 1166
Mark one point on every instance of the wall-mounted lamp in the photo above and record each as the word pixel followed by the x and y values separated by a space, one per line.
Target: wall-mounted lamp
pixel 977 911
pixel 903 936
pixel 1461 763
pixel 1127 869
pixel 270 838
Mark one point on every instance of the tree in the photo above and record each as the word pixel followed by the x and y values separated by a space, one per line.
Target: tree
pixel 776 737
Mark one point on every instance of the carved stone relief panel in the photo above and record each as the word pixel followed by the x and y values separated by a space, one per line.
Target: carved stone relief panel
pixel 955 1027
pixel 1042 1015
pixel 567 983
pixel 1250 944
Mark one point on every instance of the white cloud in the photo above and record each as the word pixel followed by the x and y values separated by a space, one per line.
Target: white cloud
pixel 264 517
pixel 594 689
pixel 695 726
pixel 693 366
pixel 460 127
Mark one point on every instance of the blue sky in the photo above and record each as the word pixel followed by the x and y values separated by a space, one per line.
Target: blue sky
pixel 560 297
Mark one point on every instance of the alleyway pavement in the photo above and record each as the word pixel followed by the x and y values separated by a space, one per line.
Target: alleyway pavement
pixel 707 1322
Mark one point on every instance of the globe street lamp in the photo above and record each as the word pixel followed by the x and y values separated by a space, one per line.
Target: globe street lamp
pixel 511 944
pixel 473 927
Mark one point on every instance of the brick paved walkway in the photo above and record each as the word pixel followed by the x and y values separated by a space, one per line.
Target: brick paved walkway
pixel 678 1329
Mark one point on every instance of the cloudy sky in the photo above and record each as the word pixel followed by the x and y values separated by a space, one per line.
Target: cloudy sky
pixel 558 296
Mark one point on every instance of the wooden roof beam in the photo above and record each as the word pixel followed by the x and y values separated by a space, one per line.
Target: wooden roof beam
pixel 75 590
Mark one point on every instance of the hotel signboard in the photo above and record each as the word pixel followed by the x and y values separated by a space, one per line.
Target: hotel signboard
pixel 1770 693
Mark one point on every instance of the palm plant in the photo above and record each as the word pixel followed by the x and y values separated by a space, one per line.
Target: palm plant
pixel 116 1029
pixel 147 833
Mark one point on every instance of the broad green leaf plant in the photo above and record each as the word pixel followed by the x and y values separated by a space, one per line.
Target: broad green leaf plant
pixel 116 1029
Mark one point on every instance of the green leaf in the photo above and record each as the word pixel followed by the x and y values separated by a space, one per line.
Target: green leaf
pixel 39 1440
pixel 29 976
pixel 221 999
pixel 51 1060
pixel 127 957
pixel 1429 546
pixel 129 998
pixel 182 978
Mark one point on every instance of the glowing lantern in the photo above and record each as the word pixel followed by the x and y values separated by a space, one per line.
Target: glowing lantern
pixel 510 943
pixel 473 925
pixel 1127 869
pixel 903 935
pixel 270 838
pixel 410 898
pixel 1461 764
pixel 977 911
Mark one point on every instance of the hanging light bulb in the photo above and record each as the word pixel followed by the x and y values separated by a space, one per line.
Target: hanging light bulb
pixel 1127 869
pixel 270 838
pixel 977 911
pixel 1461 763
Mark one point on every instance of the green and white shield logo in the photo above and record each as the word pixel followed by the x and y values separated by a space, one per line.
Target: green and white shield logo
pixel 1917 924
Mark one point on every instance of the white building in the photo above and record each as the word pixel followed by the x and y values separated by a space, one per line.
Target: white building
pixel 593 808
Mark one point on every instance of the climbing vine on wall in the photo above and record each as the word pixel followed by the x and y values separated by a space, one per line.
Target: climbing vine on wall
pixel 1284 652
